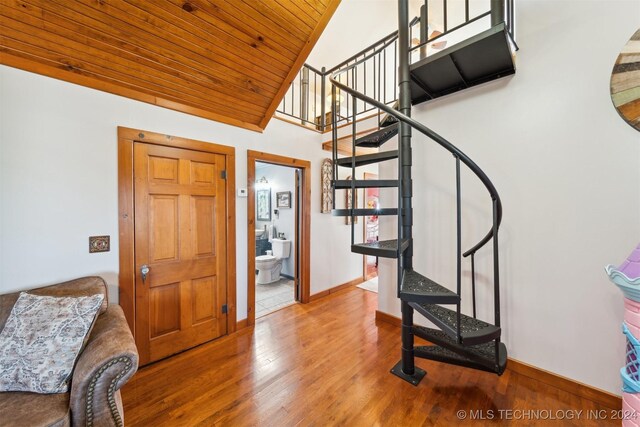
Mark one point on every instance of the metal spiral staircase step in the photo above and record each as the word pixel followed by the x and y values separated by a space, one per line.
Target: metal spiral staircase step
pixel 417 288
pixel 441 354
pixel 472 331
pixel 379 137
pixel 484 57
pixel 388 119
pixel 345 184
pixel 364 212
pixel 367 159
pixel 480 356
pixel 381 248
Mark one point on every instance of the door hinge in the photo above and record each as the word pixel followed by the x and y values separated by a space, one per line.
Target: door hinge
pixel 223 174
pixel 225 309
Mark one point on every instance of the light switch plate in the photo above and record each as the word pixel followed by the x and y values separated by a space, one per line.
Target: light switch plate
pixel 99 244
pixel 242 192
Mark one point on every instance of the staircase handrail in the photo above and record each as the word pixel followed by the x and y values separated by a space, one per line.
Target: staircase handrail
pixel 386 41
pixel 457 153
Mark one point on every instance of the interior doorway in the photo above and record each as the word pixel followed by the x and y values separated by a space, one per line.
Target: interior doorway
pixel 371 201
pixel 278 233
pixel 277 218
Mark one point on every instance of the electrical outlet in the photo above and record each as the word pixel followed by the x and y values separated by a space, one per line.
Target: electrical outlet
pixel 99 244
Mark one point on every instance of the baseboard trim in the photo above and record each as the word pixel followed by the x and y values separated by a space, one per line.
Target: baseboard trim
pixel 582 390
pixel 388 318
pixel 335 289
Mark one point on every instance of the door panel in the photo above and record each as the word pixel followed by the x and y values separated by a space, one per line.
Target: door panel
pixel 180 235
pixel 203 299
pixel 163 227
pixel 163 170
pixel 202 173
pixel 203 235
pixel 164 313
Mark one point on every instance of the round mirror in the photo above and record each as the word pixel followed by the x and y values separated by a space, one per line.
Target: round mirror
pixel 625 82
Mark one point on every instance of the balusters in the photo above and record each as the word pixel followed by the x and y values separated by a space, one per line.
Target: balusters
pixel 444 8
pixel 334 138
pixel 323 106
pixel 473 283
pixel 395 63
pixel 353 169
pixel 313 100
pixel 458 240
pixel 496 265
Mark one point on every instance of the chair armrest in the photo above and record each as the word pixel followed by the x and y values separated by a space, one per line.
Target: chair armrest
pixel 109 360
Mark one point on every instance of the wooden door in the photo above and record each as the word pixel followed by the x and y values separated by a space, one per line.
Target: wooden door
pixel 180 204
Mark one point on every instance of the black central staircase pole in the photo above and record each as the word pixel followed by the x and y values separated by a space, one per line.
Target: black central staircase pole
pixel 406 368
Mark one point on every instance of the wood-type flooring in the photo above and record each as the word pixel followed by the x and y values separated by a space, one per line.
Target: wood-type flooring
pixel 327 363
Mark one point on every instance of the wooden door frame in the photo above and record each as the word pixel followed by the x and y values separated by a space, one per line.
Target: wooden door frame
pixel 305 226
pixel 127 275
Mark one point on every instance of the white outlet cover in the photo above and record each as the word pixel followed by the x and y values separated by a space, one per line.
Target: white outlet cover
pixel 242 192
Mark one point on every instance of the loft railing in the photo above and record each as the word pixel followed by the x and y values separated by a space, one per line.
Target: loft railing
pixel 300 103
pixel 456 19
pixel 374 70
pixel 308 99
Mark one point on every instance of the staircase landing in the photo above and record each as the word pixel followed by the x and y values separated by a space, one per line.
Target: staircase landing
pixel 484 57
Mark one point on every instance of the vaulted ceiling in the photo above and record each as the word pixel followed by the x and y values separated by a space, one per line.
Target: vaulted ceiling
pixel 225 60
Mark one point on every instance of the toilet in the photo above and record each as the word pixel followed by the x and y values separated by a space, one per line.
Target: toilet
pixel 269 266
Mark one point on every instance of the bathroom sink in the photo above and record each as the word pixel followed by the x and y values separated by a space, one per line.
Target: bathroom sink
pixel 259 232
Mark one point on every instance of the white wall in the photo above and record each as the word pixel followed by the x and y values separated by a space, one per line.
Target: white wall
pixel 58 178
pixel 354 26
pixel 568 170
pixel 281 178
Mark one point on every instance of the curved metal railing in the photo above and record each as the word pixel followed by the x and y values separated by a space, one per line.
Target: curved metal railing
pixel 457 153
pixel 460 157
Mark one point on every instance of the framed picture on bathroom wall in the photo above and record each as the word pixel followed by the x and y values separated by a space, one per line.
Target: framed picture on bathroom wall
pixel 263 205
pixel 283 199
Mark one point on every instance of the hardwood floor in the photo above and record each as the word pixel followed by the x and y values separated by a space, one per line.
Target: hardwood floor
pixel 327 363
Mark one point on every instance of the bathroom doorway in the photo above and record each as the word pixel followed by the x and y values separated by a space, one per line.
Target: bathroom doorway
pixel 278 229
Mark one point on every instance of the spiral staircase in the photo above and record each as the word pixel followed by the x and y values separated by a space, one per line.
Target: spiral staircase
pixel 457 338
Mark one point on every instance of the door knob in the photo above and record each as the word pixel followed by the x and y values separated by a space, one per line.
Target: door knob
pixel 144 270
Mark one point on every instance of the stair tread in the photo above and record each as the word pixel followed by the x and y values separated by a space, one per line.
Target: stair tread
pixel 342 184
pixel 381 248
pixel 418 288
pixel 486 363
pixel 364 212
pixel 485 350
pixel 379 137
pixel 472 331
pixel 368 159
pixel 388 118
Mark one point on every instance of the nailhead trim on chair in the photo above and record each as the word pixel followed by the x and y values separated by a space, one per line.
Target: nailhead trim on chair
pixel 110 393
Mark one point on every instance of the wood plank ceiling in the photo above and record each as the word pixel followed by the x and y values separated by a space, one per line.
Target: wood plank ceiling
pixel 226 60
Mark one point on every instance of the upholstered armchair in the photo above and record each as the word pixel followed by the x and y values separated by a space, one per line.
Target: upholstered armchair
pixel 106 363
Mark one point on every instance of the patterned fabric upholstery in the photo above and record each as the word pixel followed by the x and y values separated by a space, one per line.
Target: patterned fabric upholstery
pixel 41 341
pixel 107 362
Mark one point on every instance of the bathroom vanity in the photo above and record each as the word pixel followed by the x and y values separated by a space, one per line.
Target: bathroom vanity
pixel 262 245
